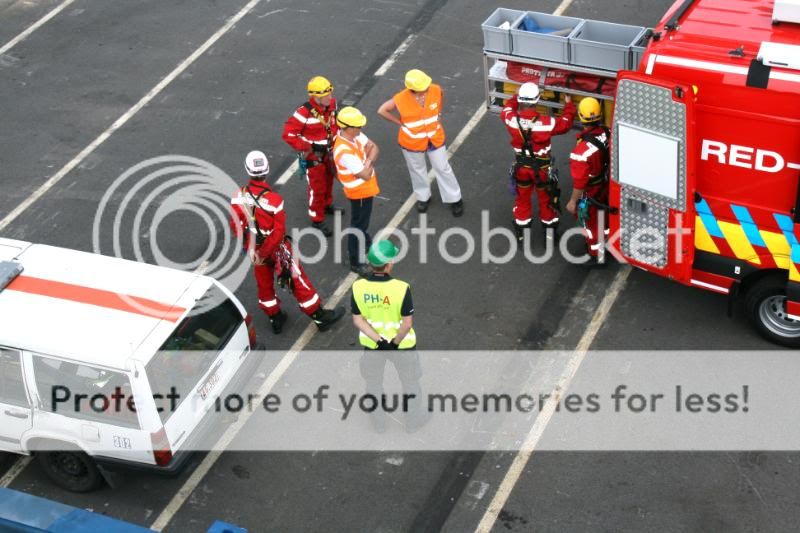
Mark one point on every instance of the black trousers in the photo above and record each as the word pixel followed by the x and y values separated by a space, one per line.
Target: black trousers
pixel 360 213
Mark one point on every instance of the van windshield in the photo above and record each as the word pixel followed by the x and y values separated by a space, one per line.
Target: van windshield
pixel 190 352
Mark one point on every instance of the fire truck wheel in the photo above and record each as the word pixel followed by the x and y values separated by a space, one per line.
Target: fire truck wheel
pixel 71 470
pixel 766 307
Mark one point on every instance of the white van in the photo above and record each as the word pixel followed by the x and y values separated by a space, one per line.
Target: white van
pixel 82 335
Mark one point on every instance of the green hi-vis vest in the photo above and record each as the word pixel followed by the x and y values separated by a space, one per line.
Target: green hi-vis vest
pixel 380 303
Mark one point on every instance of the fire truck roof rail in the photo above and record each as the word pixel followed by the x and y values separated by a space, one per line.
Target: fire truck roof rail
pixel 672 24
pixel 8 271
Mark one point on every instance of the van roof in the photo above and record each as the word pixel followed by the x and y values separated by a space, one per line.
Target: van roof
pixel 91 308
pixel 730 33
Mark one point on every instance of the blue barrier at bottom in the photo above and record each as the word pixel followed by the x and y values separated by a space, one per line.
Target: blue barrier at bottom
pixel 222 527
pixel 23 513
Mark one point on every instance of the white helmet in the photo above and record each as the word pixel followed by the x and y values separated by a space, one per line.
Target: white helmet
pixel 256 164
pixel 528 93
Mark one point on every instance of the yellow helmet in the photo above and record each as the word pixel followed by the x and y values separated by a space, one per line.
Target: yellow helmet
pixel 350 117
pixel 416 80
pixel 319 86
pixel 589 110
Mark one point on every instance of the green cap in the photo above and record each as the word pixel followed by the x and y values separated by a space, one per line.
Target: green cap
pixel 381 252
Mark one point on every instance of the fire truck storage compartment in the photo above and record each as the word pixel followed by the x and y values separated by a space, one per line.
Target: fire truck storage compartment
pixel 497 29
pixel 543 36
pixel 603 45
pixel 503 74
pixel 588 53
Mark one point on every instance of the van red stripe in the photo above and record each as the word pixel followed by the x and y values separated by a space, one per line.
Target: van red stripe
pixel 98 297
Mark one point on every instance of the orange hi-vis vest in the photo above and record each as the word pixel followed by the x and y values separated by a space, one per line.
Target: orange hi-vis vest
pixel 420 123
pixel 355 188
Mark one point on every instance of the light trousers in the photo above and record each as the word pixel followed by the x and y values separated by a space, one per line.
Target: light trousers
pixel 449 189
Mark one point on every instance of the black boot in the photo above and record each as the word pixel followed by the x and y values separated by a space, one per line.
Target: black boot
pixel 551 231
pixel 325 318
pixel 323 227
pixel 277 321
pixel 519 232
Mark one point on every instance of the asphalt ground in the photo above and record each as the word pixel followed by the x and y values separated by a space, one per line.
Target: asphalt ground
pixel 17 16
pixel 71 79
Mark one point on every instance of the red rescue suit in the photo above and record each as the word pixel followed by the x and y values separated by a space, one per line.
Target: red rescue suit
pixel 588 164
pixel 258 214
pixel 539 130
pixel 311 130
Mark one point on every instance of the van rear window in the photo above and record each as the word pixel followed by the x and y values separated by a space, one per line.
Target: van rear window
pixel 189 353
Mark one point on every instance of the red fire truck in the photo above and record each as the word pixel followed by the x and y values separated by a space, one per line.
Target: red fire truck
pixel 705 155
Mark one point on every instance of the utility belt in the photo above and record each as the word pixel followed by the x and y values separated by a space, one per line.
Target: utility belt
pixel 597 180
pixel 549 184
pixel 540 185
pixel 534 162
pixel 322 157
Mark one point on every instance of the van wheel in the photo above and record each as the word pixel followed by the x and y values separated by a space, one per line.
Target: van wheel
pixel 74 471
pixel 766 307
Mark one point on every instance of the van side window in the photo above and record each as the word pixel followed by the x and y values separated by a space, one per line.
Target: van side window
pixel 84 392
pixel 12 386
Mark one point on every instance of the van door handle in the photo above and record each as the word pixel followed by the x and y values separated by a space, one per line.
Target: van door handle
pixel 16 415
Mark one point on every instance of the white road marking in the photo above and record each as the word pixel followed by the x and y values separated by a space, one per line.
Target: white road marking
pixel 35 26
pixel 283 365
pixel 286 176
pixel 562 7
pixel 46 186
pixel 15 470
pixel 397 53
pixel 532 439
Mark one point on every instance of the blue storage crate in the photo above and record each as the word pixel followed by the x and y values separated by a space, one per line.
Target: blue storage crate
pixel 543 36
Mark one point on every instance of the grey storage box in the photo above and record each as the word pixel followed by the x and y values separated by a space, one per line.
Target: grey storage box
pixel 604 45
pixel 543 36
pixel 638 48
pixel 496 39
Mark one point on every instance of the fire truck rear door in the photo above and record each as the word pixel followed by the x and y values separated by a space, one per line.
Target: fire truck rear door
pixel 654 171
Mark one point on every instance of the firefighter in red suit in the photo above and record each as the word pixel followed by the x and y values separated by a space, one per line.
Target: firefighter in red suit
pixel 588 165
pixel 310 131
pixel 530 137
pixel 258 218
